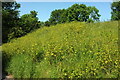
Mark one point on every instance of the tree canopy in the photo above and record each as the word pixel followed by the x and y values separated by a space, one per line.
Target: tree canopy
pixel 27 23
pixel 77 12
pixel 115 6
pixel 58 16
pixel 14 26
pixel 10 17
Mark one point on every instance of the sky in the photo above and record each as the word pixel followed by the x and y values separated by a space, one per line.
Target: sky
pixel 44 9
pixel 64 0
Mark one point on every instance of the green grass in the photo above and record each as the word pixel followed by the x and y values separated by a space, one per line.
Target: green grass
pixel 70 50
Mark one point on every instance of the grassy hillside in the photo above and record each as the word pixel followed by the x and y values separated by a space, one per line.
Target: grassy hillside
pixel 67 50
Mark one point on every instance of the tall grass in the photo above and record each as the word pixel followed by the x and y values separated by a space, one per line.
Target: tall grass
pixel 70 50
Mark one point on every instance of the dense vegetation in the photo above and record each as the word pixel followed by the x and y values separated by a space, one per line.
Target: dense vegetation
pixel 70 50
pixel 15 26
pixel 9 18
pixel 79 48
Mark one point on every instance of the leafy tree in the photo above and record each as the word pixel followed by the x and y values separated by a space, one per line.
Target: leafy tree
pixel 77 12
pixel 57 16
pixel 15 26
pixel 10 18
pixel 115 6
pixel 27 23
pixel 82 13
pixel 93 14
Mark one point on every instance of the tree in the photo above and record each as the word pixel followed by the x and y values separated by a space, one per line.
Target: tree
pixel 27 23
pixel 15 26
pixel 57 16
pixel 93 14
pixel 77 12
pixel 82 13
pixel 10 18
pixel 115 6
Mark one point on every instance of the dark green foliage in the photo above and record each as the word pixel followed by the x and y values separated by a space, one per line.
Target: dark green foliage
pixel 77 12
pixel 82 13
pixel 58 16
pixel 47 23
pixel 9 18
pixel 15 32
pixel 41 23
pixel 29 22
pixel 115 11
pixel 13 26
pixel 93 14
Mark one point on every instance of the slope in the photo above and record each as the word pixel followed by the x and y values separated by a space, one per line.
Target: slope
pixel 76 49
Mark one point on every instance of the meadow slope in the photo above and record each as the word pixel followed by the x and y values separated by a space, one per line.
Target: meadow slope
pixel 70 50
